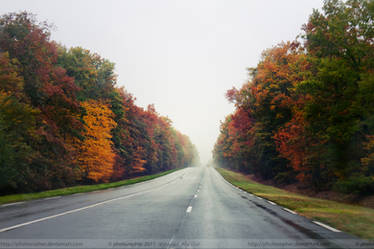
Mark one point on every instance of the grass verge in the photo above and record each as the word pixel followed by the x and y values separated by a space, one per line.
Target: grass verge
pixel 353 219
pixel 78 189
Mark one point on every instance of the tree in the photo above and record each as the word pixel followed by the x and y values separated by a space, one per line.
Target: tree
pixel 340 43
pixel 63 120
pixel 47 88
pixel 93 75
pixel 94 154
pixel 17 128
pixel 308 107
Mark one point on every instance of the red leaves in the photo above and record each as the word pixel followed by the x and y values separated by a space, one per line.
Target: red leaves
pixel 231 95
pixel 93 132
pixel 260 131
pixel 149 142
pixel 291 141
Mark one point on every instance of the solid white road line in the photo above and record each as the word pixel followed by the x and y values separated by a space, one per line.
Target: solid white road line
pixel 272 203
pixel 95 192
pixel 189 209
pixel 289 210
pixel 326 226
pixel 259 198
pixel 12 204
pixel 52 198
pixel 76 210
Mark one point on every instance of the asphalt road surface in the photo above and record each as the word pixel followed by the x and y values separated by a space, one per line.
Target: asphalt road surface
pixel 190 208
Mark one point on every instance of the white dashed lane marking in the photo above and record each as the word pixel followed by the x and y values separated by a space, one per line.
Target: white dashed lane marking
pixel 189 209
pixel 326 226
pixel 52 198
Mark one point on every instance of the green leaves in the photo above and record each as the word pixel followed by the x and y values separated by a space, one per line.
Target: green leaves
pixel 310 105
pixel 17 130
pixel 64 121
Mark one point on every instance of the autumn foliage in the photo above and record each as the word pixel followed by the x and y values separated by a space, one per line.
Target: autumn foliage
pixel 63 120
pixel 94 155
pixel 306 113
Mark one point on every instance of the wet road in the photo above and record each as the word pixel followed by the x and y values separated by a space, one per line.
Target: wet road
pixel 190 208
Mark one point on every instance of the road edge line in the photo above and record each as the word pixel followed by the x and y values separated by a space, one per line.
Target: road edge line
pixel 289 210
pixel 12 204
pixel 5 229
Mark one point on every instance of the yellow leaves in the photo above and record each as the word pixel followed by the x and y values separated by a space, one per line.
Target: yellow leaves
pixel 369 146
pixel 279 116
pixel 274 86
pixel 95 155
pixel 10 80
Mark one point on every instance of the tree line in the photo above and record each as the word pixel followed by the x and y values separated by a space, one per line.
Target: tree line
pixel 63 120
pixel 306 113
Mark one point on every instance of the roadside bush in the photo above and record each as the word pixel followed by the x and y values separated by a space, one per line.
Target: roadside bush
pixel 362 185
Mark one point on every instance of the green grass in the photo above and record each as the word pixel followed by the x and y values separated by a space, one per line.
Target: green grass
pixel 78 189
pixel 353 219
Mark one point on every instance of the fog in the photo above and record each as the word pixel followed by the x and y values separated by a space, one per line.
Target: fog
pixel 181 56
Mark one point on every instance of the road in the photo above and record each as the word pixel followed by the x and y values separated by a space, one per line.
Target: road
pixel 190 208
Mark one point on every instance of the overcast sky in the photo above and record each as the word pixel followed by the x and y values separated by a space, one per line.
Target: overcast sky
pixel 181 56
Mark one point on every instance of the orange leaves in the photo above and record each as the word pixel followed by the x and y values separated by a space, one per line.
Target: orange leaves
pixel 236 138
pixel 138 162
pixel 262 133
pixel 63 120
pixel 278 72
pixel 291 142
pixel 149 143
pixel 95 156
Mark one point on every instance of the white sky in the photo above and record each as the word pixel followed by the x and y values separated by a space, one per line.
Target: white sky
pixel 181 56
